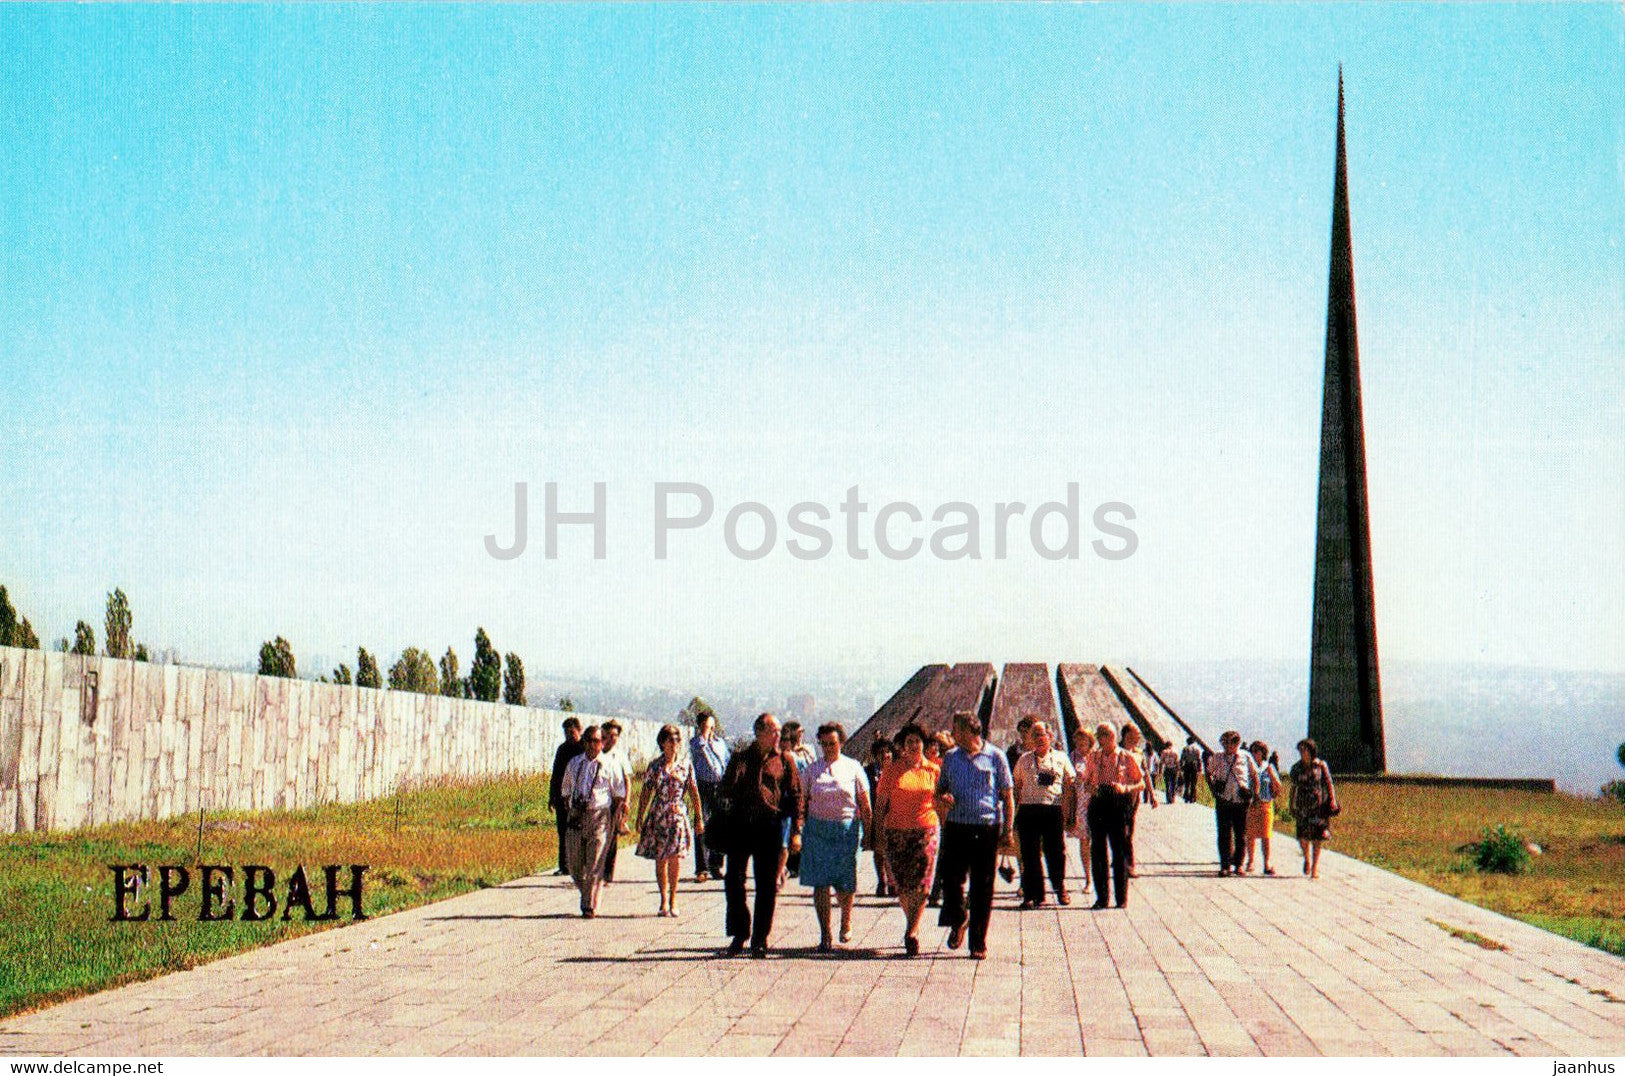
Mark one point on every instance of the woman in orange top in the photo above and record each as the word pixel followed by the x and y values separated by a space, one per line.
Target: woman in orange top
pixel 906 805
pixel 1112 776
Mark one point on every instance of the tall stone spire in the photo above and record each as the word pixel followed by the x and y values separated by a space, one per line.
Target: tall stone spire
pixel 1345 702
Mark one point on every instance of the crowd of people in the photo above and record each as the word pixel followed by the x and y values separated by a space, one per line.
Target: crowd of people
pixel 942 814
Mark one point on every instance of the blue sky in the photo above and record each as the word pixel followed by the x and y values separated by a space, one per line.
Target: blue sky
pixel 290 297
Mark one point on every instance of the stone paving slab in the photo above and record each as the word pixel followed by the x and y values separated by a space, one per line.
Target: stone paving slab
pixel 1353 963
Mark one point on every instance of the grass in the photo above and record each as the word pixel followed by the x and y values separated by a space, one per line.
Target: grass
pixel 56 892
pixel 1471 936
pixel 1572 888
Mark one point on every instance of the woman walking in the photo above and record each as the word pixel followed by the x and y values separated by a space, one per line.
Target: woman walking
pixel 1078 824
pixel 906 803
pixel 1314 803
pixel 1261 812
pixel 881 753
pixel 595 798
pixel 664 833
pixel 835 804
pixel 1113 778
pixel 1045 787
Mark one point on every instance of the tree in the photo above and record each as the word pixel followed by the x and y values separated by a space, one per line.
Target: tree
pixel 118 625
pixel 341 675
pixel 141 652
pixel 567 704
pixel 63 646
pixel 15 630
pixel 276 659
pixel 690 714
pixel 451 680
pixel 1620 754
pixel 8 618
pixel 513 681
pixel 84 639
pixel 485 675
pixel 366 669
pixel 414 671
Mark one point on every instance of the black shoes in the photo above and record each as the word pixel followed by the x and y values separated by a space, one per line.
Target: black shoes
pixel 911 946
pixel 736 947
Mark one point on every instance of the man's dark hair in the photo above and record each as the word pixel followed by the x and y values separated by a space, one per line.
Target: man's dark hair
pixel 832 726
pixel 572 723
pixel 1314 748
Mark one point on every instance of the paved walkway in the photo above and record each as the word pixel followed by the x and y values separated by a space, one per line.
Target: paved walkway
pixel 1351 964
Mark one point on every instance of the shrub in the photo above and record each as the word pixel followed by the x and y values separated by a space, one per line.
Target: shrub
pixel 1499 852
pixel 1614 790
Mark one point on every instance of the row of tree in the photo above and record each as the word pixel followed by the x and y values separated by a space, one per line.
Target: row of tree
pixel 490 677
pixel 15 630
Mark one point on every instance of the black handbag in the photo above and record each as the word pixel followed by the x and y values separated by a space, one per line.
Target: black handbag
pixel 720 827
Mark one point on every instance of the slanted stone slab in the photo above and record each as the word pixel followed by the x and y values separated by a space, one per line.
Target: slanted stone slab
pixel 1087 699
pixel 1023 691
pixel 967 686
pixel 895 712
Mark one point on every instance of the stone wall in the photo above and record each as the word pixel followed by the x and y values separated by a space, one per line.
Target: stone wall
pixel 85 741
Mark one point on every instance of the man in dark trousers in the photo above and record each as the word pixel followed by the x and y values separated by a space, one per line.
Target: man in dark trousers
pixel 569 749
pixel 978 809
pixel 1232 777
pixel 1190 767
pixel 763 790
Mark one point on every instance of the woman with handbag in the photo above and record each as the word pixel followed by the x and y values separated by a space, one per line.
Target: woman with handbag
pixel 1112 777
pixel 1314 803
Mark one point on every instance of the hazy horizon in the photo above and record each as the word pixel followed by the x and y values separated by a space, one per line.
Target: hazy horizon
pixel 293 297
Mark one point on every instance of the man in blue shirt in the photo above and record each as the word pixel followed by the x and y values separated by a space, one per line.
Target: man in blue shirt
pixel 708 749
pixel 977 806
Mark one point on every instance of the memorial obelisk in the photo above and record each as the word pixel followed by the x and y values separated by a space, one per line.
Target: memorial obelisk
pixel 1345 702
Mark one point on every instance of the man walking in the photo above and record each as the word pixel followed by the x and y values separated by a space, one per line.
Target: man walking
pixel 708 751
pixel 1190 764
pixel 568 750
pixel 764 791
pixel 1232 776
pixel 977 804
pixel 1170 770
pixel 616 763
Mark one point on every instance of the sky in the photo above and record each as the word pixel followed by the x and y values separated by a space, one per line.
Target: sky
pixel 291 297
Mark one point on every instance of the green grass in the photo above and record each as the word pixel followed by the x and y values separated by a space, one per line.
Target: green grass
pixel 1574 887
pixel 56 892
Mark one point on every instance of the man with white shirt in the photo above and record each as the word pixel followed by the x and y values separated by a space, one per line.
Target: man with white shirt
pixel 594 792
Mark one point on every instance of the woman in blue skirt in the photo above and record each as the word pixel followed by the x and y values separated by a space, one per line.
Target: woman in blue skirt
pixel 835 804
